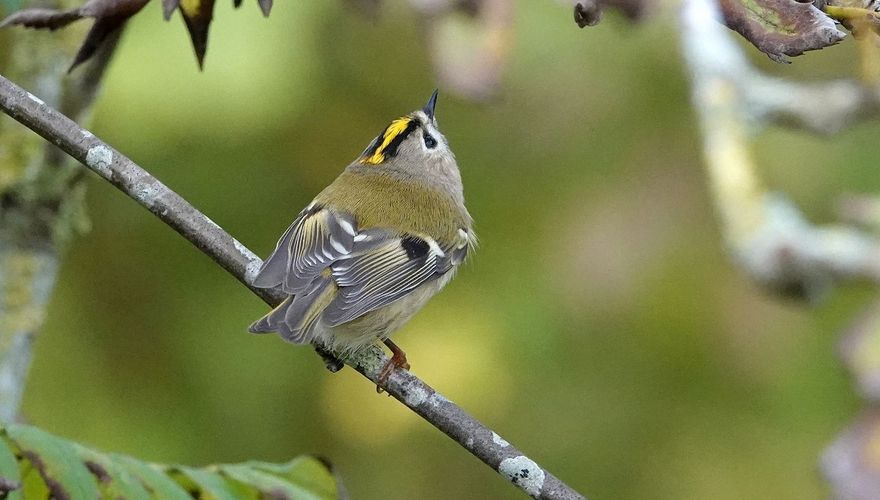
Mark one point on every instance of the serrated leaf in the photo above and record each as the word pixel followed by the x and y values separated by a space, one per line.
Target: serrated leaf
pixel 56 460
pixel 269 485
pixel 781 28
pixel 213 486
pixel 159 484
pixel 308 472
pixel 41 465
pixel 114 480
pixel 10 477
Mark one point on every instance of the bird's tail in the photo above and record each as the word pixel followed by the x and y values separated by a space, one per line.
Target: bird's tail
pixel 269 323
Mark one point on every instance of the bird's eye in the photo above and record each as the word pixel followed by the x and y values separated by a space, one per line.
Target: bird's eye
pixel 430 142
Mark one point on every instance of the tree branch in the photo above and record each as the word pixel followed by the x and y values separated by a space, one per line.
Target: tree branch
pixel 767 234
pixel 243 264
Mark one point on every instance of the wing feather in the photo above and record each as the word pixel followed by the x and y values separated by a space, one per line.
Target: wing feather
pixel 336 273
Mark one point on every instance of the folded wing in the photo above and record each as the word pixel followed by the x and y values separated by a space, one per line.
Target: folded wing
pixel 336 274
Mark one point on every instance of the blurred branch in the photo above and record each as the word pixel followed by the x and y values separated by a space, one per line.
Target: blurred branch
pixel 823 108
pixel 765 232
pixel 243 264
pixel 41 203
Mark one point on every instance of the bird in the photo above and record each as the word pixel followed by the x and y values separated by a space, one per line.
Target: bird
pixel 374 246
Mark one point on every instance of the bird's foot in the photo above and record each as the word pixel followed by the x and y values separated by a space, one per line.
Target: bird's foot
pixel 398 360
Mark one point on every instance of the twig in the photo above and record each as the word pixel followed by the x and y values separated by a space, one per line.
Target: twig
pixel 243 264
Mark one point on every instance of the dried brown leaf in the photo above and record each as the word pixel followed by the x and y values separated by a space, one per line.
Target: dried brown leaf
pixel 781 28
pixel 168 8
pixel 265 5
pixel 197 16
pixel 109 15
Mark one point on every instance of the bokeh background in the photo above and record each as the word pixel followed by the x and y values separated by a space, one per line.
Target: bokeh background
pixel 600 327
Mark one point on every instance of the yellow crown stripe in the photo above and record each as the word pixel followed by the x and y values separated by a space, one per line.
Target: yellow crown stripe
pixel 396 128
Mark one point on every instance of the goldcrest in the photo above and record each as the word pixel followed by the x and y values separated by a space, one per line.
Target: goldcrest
pixel 370 250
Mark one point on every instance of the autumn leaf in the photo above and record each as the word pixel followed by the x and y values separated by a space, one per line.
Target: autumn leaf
pixel 265 5
pixel 197 16
pixel 781 28
pixel 109 16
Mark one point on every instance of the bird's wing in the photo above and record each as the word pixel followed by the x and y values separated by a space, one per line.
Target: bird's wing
pixel 382 268
pixel 317 238
pixel 369 268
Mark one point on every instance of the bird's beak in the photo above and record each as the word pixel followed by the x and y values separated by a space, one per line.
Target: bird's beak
pixel 429 108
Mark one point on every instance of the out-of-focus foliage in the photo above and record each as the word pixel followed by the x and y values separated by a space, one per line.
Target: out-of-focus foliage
pixel 112 15
pixel 778 28
pixel 36 464
pixel 599 327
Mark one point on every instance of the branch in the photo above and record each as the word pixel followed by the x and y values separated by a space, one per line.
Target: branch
pixel 768 236
pixel 823 108
pixel 243 265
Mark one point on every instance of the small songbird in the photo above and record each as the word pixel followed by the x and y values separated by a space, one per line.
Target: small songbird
pixel 370 250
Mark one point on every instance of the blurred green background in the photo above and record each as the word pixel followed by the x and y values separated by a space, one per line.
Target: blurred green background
pixel 600 327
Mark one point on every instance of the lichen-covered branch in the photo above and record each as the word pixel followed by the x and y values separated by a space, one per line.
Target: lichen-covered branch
pixel 243 264
pixel 766 234
pixel 41 196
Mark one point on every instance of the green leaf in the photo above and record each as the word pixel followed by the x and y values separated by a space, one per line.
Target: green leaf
pixel 114 480
pixel 56 460
pixel 40 465
pixel 308 472
pixel 10 477
pixel 212 486
pixel 159 484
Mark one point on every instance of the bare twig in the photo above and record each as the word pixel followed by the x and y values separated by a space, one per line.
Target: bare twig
pixel 243 264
